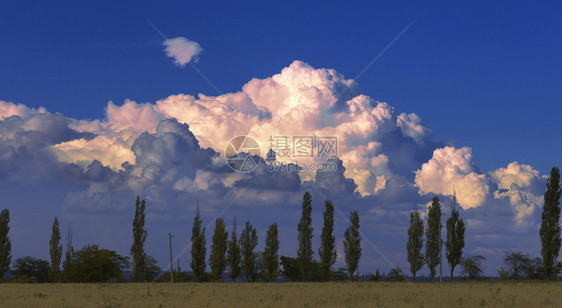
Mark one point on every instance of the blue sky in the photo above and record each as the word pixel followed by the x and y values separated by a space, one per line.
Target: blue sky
pixel 486 75
pixel 478 74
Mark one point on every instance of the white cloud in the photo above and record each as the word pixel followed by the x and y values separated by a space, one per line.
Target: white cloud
pixel 298 101
pixel 378 150
pixel 111 152
pixel 521 186
pixel 451 167
pixel 520 175
pixel 524 204
pixel 116 135
pixel 182 50
pixel 8 109
pixel 411 126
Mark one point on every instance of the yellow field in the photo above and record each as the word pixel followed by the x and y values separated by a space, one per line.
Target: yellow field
pixel 459 294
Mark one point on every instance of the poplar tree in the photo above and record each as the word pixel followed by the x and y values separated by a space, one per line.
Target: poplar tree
pixel 5 243
pixel 305 252
pixel 55 252
pixel 270 253
pixel 455 238
pixel 327 250
pixel 248 242
pixel 217 259
pixel 415 243
pixel 234 255
pixel 198 248
pixel 352 245
pixel 550 226
pixel 139 237
pixel 433 232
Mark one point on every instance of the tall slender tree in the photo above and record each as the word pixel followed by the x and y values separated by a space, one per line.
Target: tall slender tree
pixel 139 237
pixel 455 237
pixel 305 252
pixel 5 243
pixel 352 245
pixel 248 242
pixel 433 233
pixel 327 250
pixel 550 225
pixel 415 243
pixel 270 253
pixel 217 259
pixel 198 248
pixel 234 256
pixel 55 252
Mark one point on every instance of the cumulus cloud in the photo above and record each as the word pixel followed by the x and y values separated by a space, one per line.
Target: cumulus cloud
pixel 335 181
pixel 522 176
pixel 169 152
pixel 25 140
pixel 182 50
pixel 453 169
pixel 8 109
pixel 411 126
pixel 517 188
pixel 374 143
pixel 522 187
pixel 111 152
pixel 167 163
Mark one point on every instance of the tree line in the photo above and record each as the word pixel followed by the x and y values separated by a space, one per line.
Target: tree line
pixel 517 265
pixel 237 256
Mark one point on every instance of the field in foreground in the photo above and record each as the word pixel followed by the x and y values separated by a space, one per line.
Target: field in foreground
pixel 458 294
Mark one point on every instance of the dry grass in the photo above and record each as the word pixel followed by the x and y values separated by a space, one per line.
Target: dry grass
pixel 460 294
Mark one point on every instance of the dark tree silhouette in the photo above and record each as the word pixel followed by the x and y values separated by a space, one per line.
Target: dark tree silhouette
pixel 415 243
pixel 352 245
pixel 92 264
pixel 550 225
pixel 139 237
pixel 305 252
pixel 472 266
pixel 270 256
pixel 327 250
pixel 29 269
pixel 5 243
pixel 55 252
pixel 234 256
pixel 433 242
pixel 248 242
pixel 455 238
pixel 198 248
pixel 217 259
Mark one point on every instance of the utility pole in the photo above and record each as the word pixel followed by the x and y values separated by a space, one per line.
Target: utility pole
pixel 171 260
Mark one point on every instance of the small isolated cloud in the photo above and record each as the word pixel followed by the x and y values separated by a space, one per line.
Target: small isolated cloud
pixel 182 50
